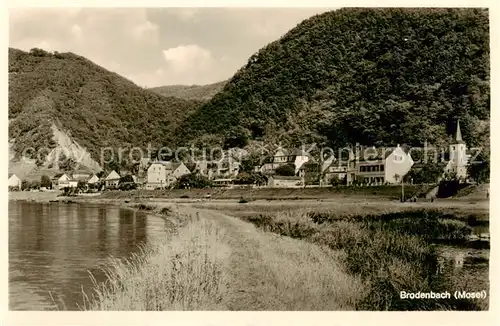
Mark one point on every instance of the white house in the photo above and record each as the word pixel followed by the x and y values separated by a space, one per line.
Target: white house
pixel 14 181
pixel 397 164
pixel 93 180
pixel 112 180
pixel 163 174
pixel 296 157
pixel 60 181
pixel 382 165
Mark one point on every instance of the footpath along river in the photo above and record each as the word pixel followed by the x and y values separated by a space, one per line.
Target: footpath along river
pixel 53 246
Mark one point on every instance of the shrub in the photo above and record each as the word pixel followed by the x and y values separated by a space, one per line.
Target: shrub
pixel 390 252
pixel 165 211
pixel 143 207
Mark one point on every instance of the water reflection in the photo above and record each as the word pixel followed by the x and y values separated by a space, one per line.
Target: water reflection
pixel 464 268
pixel 52 246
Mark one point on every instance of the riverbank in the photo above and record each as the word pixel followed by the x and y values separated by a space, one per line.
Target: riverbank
pixel 390 253
pixel 308 266
pixel 288 268
pixel 266 193
pixel 187 272
pixel 342 205
pixel 238 267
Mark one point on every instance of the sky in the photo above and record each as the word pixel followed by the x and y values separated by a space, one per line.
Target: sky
pixel 160 46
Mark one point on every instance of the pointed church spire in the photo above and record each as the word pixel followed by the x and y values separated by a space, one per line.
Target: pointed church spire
pixel 458 135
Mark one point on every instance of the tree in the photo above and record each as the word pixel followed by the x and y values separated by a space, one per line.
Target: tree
pixel 428 173
pixel 45 181
pixel 286 170
pixel 249 178
pixel 66 163
pixel 335 181
pixel 25 185
pixel 192 180
pixel 81 186
pixel 479 172
pixel 35 185
pixel 127 183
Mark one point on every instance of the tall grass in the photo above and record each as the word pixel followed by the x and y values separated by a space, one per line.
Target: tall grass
pixel 391 252
pixel 186 273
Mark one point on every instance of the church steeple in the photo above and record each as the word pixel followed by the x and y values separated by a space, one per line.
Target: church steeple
pixel 458 135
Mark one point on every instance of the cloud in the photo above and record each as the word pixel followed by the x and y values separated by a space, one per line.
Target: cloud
pixel 76 30
pixel 186 14
pixel 146 31
pixel 188 58
pixel 157 46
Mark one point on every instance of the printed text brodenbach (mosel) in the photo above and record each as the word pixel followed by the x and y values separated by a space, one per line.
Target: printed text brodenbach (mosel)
pixel 443 295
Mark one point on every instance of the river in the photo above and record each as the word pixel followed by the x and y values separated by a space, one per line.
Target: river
pixel 54 246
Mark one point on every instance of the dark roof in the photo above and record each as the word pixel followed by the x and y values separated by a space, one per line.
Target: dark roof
pixel 190 166
pixel 57 176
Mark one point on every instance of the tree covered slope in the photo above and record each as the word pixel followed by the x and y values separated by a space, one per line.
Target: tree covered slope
pixel 375 76
pixel 95 107
pixel 193 92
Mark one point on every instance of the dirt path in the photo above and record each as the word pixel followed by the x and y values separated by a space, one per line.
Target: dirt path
pixel 269 272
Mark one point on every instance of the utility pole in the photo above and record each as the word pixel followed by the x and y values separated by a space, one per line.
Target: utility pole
pixel 402 189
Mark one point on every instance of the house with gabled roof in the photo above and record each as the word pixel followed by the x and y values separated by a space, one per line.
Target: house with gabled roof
pixel 112 180
pixel 283 156
pixel 93 180
pixel 163 174
pixel 376 166
pixel 342 169
pixel 14 182
pixel 60 181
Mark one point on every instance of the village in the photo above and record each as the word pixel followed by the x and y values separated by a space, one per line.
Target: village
pixel 288 168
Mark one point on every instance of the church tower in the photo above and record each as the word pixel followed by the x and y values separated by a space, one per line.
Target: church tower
pixel 458 155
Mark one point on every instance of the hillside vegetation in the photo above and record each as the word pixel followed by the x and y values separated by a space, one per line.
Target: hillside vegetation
pixel 374 76
pixel 193 92
pixel 95 107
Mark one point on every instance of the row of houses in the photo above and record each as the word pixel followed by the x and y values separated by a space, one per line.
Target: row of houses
pixel 369 166
pixel 71 180
pixel 60 181
pixel 365 165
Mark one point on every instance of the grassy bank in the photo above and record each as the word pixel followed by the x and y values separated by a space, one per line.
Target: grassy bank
pixel 391 253
pixel 351 207
pixel 392 192
pixel 186 273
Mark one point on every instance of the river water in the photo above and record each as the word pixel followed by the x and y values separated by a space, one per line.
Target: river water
pixel 53 246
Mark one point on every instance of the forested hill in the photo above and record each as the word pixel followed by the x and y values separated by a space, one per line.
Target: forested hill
pixel 93 106
pixel 193 92
pixel 374 76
